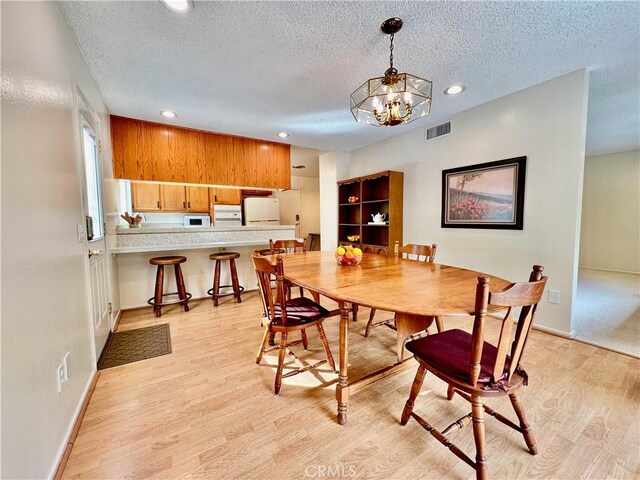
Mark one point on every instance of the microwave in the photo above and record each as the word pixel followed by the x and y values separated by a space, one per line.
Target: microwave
pixel 197 221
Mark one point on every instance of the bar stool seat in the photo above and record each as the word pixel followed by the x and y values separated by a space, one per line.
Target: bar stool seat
pixel 183 295
pixel 235 285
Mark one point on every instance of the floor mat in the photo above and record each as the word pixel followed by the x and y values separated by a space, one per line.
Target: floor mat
pixel 135 345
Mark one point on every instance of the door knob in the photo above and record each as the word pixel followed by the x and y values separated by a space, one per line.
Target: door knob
pixel 94 252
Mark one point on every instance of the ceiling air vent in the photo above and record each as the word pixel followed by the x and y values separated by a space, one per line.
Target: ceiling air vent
pixel 437 131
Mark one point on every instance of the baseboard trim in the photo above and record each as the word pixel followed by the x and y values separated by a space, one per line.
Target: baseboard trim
pixel 610 270
pixel 553 331
pixel 604 347
pixel 76 426
pixel 116 324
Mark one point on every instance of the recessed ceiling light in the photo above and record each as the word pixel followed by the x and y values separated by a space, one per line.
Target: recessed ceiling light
pixel 298 166
pixel 283 134
pixel 168 114
pixel 180 6
pixel 454 90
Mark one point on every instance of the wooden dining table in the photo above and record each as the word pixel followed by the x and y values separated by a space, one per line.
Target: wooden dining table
pixel 418 292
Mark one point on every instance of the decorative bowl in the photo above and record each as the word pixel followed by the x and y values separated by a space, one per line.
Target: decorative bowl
pixel 347 255
pixel 353 238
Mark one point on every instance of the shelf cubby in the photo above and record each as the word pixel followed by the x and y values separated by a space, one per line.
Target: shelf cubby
pixel 377 193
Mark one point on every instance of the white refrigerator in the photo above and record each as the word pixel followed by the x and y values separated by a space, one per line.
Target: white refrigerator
pixel 261 211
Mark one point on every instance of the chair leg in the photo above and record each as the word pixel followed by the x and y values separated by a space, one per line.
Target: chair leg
pixel 216 283
pixel 524 425
pixel 477 412
pixel 281 353
pixel 354 310
pixel 182 291
pixel 263 346
pixel 272 339
pixel 415 390
pixel 450 391
pixel 439 324
pixel 234 280
pixel 305 341
pixel 367 329
pixel 301 292
pixel 325 344
pixel 157 298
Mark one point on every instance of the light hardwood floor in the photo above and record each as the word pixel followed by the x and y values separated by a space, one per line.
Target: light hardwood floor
pixel 208 411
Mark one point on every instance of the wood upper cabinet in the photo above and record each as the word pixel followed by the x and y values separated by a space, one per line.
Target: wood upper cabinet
pixel 145 197
pixel 173 198
pixel 154 197
pixel 163 153
pixel 197 199
pixel 226 196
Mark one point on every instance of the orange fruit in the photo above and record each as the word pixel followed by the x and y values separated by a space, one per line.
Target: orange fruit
pixel 349 254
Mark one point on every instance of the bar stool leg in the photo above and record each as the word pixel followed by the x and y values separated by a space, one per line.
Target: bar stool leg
pixel 158 293
pixel 216 283
pixel 182 291
pixel 234 280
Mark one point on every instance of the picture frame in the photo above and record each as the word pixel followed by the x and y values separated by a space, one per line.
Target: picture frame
pixel 485 195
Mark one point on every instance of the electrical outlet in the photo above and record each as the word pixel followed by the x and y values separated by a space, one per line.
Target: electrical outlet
pixel 67 367
pixel 60 377
pixel 554 297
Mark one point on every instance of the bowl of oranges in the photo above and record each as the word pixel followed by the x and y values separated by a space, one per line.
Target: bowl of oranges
pixel 348 255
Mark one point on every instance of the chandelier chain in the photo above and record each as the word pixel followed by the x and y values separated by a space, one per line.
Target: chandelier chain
pixel 391 54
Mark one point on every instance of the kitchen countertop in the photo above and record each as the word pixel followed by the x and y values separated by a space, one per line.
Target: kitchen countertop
pixel 121 230
pixel 164 238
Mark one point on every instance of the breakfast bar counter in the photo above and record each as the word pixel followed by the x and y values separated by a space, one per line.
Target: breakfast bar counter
pixel 134 247
pixel 170 238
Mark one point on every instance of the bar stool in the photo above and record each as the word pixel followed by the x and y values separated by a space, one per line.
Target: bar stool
pixel 237 288
pixel 183 295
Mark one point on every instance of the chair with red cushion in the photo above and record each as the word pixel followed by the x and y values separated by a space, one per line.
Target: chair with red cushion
pixel 475 369
pixel 298 314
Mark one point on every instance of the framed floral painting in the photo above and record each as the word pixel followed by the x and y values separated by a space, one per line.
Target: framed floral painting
pixel 487 195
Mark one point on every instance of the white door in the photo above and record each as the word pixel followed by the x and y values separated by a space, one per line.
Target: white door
pixel 290 209
pixel 94 223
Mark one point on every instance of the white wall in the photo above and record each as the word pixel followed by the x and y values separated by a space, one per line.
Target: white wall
pixel 547 124
pixel 45 308
pixel 610 237
pixel 309 203
pixel 334 166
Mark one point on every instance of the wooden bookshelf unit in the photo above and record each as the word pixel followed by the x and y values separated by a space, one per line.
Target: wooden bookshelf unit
pixel 358 199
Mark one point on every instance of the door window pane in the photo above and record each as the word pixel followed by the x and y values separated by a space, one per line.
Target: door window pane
pixel 92 172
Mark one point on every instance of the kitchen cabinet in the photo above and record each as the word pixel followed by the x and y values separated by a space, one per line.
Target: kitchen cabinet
pixel 226 196
pixel 154 197
pixel 359 199
pixel 197 199
pixel 173 198
pixel 164 153
pixel 145 197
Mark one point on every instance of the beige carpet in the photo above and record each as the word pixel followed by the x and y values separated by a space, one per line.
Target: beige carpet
pixel 608 310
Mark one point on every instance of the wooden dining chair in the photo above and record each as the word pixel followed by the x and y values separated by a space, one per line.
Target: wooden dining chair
pixel 411 251
pixel 288 246
pixel 285 316
pixel 475 369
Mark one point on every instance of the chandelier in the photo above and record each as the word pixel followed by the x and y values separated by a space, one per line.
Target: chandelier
pixel 395 98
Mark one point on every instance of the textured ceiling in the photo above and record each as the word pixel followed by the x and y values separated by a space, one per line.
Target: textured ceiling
pixel 258 68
